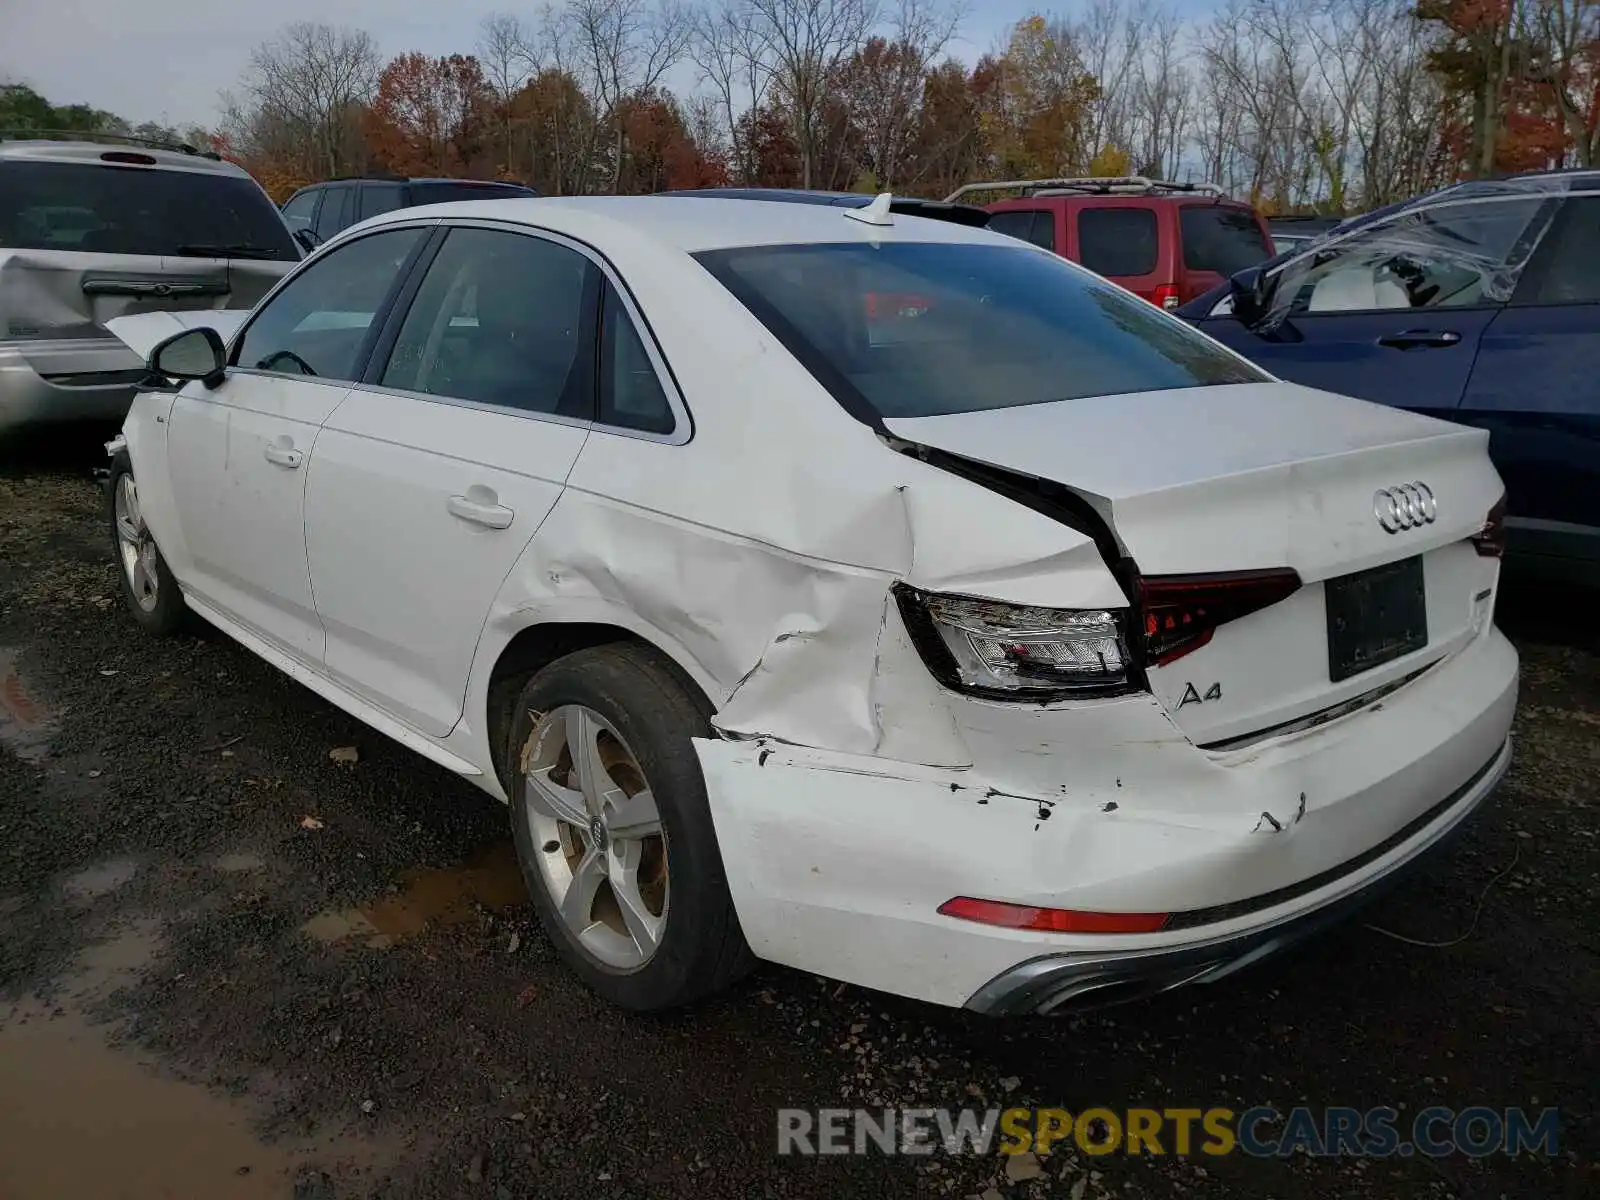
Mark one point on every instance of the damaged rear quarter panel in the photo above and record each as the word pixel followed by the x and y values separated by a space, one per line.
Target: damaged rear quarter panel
pixel 760 553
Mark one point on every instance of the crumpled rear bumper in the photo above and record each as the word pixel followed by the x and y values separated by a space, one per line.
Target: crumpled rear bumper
pixel 1058 982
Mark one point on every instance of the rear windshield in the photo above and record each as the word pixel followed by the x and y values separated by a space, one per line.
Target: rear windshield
pixel 444 193
pixel 1224 240
pixel 919 329
pixel 135 210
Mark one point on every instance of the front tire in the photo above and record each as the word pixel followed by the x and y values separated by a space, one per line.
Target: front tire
pixel 148 588
pixel 613 829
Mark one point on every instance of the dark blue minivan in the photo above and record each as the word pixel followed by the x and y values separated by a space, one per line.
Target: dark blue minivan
pixel 1479 303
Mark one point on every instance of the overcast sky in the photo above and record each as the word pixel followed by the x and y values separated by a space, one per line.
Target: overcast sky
pixel 166 60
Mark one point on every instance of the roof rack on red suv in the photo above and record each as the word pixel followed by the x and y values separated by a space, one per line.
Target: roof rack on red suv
pixel 1162 240
pixel 1090 185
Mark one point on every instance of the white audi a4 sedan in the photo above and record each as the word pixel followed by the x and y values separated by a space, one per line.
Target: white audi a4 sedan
pixel 870 594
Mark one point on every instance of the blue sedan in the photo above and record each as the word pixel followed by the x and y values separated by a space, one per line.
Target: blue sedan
pixel 1479 303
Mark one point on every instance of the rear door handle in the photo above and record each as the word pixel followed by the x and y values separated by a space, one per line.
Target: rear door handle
pixel 282 455
pixel 1409 339
pixel 484 512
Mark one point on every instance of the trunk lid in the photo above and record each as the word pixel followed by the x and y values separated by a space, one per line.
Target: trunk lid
pixel 1251 477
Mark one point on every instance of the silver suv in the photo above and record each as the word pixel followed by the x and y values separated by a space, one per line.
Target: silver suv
pixel 95 230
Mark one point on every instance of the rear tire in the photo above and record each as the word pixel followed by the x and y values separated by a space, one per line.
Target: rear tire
pixel 148 588
pixel 613 829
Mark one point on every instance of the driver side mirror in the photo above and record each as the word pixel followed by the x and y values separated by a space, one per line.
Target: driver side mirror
pixel 192 354
pixel 308 240
pixel 1250 292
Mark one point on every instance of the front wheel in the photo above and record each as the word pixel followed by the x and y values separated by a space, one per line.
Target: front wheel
pixel 148 588
pixel 613 829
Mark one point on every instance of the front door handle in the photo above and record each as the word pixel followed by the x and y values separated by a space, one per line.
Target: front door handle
pixel 484 510
pixel 1409 339
pixel 283 454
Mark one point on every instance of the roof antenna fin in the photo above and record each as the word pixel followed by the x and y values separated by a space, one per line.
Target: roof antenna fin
pixel 876 213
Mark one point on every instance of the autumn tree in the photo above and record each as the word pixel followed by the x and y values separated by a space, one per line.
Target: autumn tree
pixel 432 116
pixel 298 110
pixel 553 128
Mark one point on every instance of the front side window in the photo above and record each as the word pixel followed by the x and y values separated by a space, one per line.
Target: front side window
pixel 334 214
pixel 300 209
pixel 111 209
pixel 1449 256
pixel 317 324
pixel 1118 242
pixel 993 326
pixel 504 319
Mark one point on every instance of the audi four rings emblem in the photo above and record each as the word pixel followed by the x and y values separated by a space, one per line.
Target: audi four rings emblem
pixel 1405 507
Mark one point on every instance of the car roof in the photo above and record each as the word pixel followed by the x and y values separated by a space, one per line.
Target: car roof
pixel 490 183
pixel 95 154
pixel 965 214
pixel 695 223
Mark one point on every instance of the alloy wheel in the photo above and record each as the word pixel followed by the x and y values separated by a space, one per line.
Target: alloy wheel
pixel 597 835
pixel 136 547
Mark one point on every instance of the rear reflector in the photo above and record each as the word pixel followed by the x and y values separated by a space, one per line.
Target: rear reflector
pixel 1050 920
pixel 1179 613
pixel 1490 541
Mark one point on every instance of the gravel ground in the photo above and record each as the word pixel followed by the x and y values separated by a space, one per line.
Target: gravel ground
pixel 293 975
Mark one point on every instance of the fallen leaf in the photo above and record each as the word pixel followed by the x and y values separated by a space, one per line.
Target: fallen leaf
pixel 310 822
pixel 516 943
pixel 1022 1167
pixel 344 754
pixel 527 996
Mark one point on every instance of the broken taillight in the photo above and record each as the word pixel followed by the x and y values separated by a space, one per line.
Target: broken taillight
pixel 1179 613
pixel 1490 541
pixel 1050 920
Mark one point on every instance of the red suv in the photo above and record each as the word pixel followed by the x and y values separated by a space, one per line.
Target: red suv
pixel 1166 242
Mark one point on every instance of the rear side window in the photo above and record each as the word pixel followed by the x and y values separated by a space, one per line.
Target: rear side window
pixel 137 210
pixel 380 198
pixel 1568 256
pixel 504 319
pixel 1118 241
pixel 1030 225
pixel 631 395
pixel 1224 240
pixel 990 326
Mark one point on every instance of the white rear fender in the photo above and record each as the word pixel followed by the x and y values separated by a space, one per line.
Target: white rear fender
pixel 801 648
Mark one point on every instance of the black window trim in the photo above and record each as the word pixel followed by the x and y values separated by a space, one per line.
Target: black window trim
pixel 379 317
pixel 683 423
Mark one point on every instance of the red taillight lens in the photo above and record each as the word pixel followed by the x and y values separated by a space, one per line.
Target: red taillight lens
pixel 1050 920
pixel 1165 296
pixel 1181 612
pixel 1490 541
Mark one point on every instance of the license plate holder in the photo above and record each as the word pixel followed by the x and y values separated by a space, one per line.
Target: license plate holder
pixel 1375 616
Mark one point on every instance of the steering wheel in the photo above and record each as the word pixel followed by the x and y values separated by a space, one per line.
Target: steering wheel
pixel 271 361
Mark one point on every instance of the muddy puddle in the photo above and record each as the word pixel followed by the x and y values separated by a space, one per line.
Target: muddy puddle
pixel 25 723
pixel 83 1117
pixel 437 897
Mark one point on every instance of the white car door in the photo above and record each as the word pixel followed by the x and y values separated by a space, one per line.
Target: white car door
pixel 433 475
pixel 238 453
